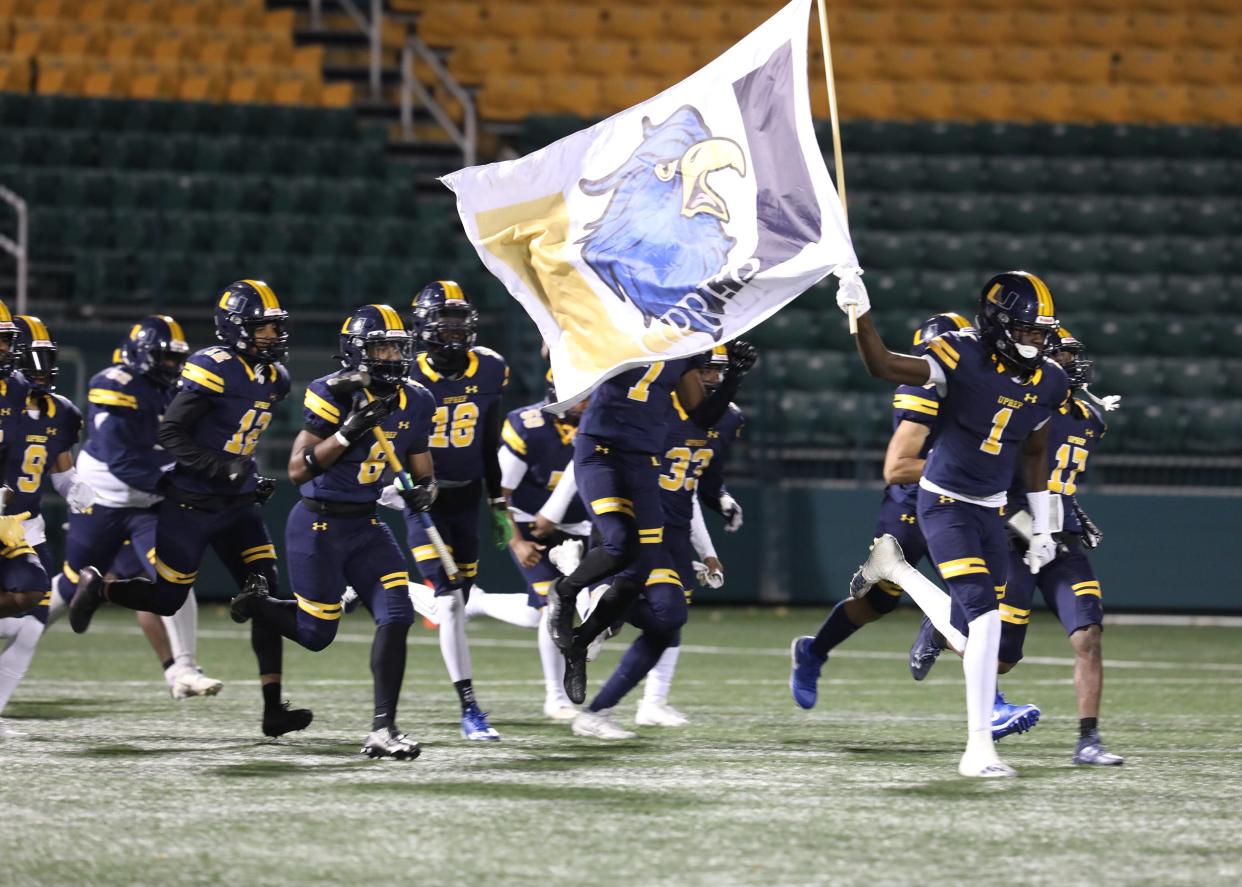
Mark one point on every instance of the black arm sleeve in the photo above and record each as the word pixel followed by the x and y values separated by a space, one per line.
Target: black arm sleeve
pixel 712 407
pixel 491 450
pixel 176 434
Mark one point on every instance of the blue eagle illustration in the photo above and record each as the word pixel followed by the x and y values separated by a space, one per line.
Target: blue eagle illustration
pixel 662 233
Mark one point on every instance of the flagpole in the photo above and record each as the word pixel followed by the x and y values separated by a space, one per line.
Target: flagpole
pixel 836 127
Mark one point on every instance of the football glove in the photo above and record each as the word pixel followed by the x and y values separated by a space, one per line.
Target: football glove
pixel 707 576
pixel 731 511
pixel 421 496
pixel 1041 552
pixel 264 488
pixel 742 358
pixel 12 533
pixel 1091 535
pixel 851 291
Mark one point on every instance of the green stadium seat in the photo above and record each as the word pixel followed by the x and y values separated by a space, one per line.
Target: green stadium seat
pixel 1062 139
pixel 88 229
pixel 1109 335
pixel 1186 141
pixel 55 112
pixel 966 212
pixel 224 154
pixel 940 291
pixel 137 191
pixel 1137 255
pixel 905 212
pixel 1175 337
pixel 1087 214
pixel 1124 140
pixel 1205 216
pixel 1076 253
pixel 15 108
pixel 954 173
pixel 294 196
pixel 1192 378
pixel 1005 139
pixel 1129 376
pixel 1014 251
pixel 1145 215
pixel 1196 294
pixel 1198 255
pixel 1133 293
pixel 1138 176
pixel 1076 175
pixel 889 172
pixel 881 249
pixel 799 417
pixel 898 286
pixel 189 193
pixel 1150 426
pixel 1076 294
pixel 1212 426
pixel 1016 175
pixel 136 230
pixel 1227 337
pixel 1021 213
pixel 943 137
pixel 785 329
pixel 1203 178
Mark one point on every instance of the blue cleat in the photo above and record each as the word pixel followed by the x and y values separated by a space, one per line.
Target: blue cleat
pixel 804 671
pixel 928 644
pixel 474 726
pixel 1090 751
pixel 1007 718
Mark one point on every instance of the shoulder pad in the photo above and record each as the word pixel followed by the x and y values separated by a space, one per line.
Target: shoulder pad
pixel 215 354
pixel 485 352
pixel 204 370
pixel 114 378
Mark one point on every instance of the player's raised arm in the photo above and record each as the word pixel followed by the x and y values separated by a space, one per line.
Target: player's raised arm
pixel 903 369
pixel 903 460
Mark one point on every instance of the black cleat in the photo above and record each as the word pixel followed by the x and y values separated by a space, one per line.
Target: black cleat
pixel 576 674
pixel 87 598
pixel 240 610
pixel 560 619
pixel 279 721
pixel 388 743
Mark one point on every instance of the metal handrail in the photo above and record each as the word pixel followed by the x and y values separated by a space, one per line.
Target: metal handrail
pixel 372 27
pixel 18 248
pixel 466 137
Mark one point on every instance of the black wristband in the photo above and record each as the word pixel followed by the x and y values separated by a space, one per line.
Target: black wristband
pixel 311 463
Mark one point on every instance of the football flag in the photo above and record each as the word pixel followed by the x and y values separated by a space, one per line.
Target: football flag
pixel 672 226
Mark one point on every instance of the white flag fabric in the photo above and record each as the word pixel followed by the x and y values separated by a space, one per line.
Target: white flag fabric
pixel 672 226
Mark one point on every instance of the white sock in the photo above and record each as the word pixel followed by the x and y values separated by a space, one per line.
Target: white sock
pixel 660 678
pixel 182 628
pixel 453 645
pixel 511 608
pixel 20 635
pixel 932 600
pixel 58 605
pixel 424 601
pixel 553 666
pixel 979 664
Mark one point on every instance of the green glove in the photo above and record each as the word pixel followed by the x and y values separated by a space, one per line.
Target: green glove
pixel 502 530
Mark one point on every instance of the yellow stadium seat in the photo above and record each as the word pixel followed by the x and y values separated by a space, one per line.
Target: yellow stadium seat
pixel 626 92
pixel 247 16
pixel 173 45
pixel 878 26
pixel 58 75
pixel 740 20
pixel 296 91
pixel 450 22
pixel 203 83
pixel 1076 64
pixel 250 86
pixel 982 100
pixel 610 58
pixel 572 21
pixel 1209 67
pixel 216 47
pixel 510 96
pixel 707 51
pixel 663 59
pixel 905 62
pixel 127 41
pixel 1046 102
pixel 1159 29
pixel 337 95
pixel 544 55
pixel 985 28
pixel 693 23
pixel 1219 7
pixel 1139 65
pixel 850 61
pixel 189 15
pixel 83 38
pixel 1162 5
pixel 1040 27
pixel 151 80
pixel 1100 103
pixel 45 10
pixel 473 60
pixel 859 100
pixel 632 22
pixel 513 20
pixel 1159 103
pixel 1109 30
pixel 279 21
pixel 35 37
pixel 927 100
pixel 6 36
pixel 1220 105
pixel 1216 31
pixel 965 62
pixel 138 11
pixel 932 27
pixel 1024 64
pixel 14 72
pixel 102 78
pixel 94 10
pixel 308 60
pixel 573 94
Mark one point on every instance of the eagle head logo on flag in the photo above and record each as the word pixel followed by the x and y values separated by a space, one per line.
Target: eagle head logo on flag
pixel 672 226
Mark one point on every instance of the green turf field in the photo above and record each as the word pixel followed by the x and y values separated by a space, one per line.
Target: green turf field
pixel 115 783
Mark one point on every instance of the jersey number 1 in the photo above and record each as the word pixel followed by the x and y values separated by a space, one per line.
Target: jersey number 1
pixel 992 446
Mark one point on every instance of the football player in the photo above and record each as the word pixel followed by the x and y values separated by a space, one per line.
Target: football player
pixel 40 438
pixel 333 536
pixel 1069 585
pixel 124 465
pixel 915 414
pixel 999 393
pixel 214 495
pixel 467 381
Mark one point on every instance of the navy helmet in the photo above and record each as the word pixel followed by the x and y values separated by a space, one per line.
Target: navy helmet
pixel 1078 368
pixel 364 331
pixel 937 325
pixel 244 307
pixel 8 332
pixel 156 348
pixel 571 415
pixel 34 352
pixel 1014 303
pixel 443 320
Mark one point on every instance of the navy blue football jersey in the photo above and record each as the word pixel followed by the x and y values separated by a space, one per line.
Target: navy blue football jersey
pixel 632 410
pixel 13 391
pixel 243 397
pixel 122 420
pixel 546 445
pixel 35 442
pixel 912 403
pixel 690 454
pixel 462 404
pixel 985 415
pixel 1076 429
pixel 361 472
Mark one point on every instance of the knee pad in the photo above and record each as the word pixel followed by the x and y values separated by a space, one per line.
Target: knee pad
pixel 975 598
pixel 883 597
pixel 315 634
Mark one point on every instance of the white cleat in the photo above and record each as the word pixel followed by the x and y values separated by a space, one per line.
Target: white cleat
pixel 560 710
pixel 192 682
pixel 984 765
pixel 658 713
pixel 424 601
pixel 599 725
pixel 566 556
pixel 886 555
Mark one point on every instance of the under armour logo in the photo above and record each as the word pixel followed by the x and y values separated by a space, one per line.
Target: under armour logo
pixel 1090 433
pixel 319 525
pixel 909 518
pixel 946 500
pixel 50 432
pixel 1030 397
pixel 6 412
pixel 472 389
pixel 600 448
pixel 403 424
pixel 712 432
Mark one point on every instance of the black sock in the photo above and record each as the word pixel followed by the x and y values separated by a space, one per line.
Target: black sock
pixel 137 594
pixel 596 565
pixel 1087 726
pixel 271 695
pixel 168 663
pixel 268 649
pixel 281 616
pixel 388 671
pixel 836 628
pixel 465 692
